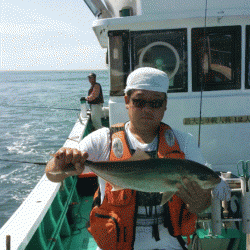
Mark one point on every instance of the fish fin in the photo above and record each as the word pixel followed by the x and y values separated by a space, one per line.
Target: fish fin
pixel 116 188
pixel 166 197
pixel 139 155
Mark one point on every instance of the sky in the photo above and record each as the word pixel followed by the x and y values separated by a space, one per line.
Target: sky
pixel 48 35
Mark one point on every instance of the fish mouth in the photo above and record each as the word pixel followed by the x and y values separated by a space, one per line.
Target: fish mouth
pixel 213 182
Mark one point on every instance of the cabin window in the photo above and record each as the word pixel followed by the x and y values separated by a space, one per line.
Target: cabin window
pixel 165 50
pixel 216 58
pixel 119 61
pixel 248 57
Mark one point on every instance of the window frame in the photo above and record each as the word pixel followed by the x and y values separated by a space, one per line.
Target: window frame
pixel 247 61
pixel 124 34
pixel 183 31
pixel 235 83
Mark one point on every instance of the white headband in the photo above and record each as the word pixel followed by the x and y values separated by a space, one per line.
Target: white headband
pixel 147 78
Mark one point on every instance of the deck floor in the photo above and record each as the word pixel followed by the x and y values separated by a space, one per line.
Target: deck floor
pixel 80 238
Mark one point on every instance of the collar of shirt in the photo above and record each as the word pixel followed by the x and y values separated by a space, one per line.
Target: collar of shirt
pixel 135 144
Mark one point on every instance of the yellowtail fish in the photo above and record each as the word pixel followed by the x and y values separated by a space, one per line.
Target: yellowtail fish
pixel 145 174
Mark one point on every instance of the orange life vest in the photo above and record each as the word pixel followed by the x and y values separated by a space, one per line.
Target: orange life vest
pixel 99 98
pixel 112 223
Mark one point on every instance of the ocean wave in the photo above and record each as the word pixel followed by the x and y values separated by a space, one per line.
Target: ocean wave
pixel 52 129
pixel 4 177
pixel 20 148
pixel 26 126
pixel 8 135
pixel 26 174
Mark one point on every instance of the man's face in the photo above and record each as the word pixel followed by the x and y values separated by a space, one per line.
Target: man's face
pixel 146 108
pixel 92 80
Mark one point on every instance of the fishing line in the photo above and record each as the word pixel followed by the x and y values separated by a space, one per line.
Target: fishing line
pixel 202 75
pixel 41 107
pixel 76 218
pixel 35 163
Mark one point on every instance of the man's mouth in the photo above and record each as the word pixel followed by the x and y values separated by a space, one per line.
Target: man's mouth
pixel 147 117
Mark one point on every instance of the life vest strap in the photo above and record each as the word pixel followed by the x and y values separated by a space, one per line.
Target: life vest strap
pixel 147 222
pixel 182 242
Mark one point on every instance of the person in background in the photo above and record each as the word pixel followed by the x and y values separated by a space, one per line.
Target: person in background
pixel 95 99
pixel 127 219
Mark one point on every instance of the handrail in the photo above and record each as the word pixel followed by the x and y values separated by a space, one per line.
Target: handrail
pixel 62 217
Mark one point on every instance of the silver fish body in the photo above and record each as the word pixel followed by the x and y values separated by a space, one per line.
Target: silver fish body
pixel 154 175
pixel 142 173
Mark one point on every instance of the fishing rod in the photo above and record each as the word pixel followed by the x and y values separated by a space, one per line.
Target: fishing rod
pixel 29 162
pixel 203 79
pixel 41 107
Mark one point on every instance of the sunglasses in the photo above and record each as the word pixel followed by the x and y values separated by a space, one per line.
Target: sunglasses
pixel 155 104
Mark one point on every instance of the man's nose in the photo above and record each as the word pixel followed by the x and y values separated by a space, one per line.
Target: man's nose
pixel 147 107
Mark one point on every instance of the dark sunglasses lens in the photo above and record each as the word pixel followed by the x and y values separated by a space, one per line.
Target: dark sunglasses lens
pixel 156 104
pixel 139 103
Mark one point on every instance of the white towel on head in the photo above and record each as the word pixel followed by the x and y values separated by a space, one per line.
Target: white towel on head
pixel 147 78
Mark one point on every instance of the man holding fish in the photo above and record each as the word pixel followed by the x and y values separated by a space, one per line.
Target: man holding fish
pixel 152 183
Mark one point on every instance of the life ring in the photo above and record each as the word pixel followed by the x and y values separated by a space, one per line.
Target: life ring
pixel 171 47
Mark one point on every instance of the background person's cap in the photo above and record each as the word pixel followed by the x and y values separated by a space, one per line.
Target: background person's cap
pixel 92 75
pixel 147 78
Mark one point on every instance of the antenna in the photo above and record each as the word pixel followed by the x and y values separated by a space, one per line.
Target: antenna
pixel 203 79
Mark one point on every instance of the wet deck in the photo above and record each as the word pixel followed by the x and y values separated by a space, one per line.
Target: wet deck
pixel 80 238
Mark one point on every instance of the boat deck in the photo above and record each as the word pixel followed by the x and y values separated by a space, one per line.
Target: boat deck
pixel 80 238
pixel 78 216
pixel 64 225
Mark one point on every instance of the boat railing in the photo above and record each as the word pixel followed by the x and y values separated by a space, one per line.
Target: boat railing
pixel 55 226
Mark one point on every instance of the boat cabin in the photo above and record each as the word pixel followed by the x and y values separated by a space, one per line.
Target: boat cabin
pixel 205 50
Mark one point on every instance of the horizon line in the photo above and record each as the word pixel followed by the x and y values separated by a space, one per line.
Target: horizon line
pixel 53 70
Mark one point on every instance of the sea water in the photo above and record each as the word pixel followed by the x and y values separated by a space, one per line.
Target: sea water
pixel 31 129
